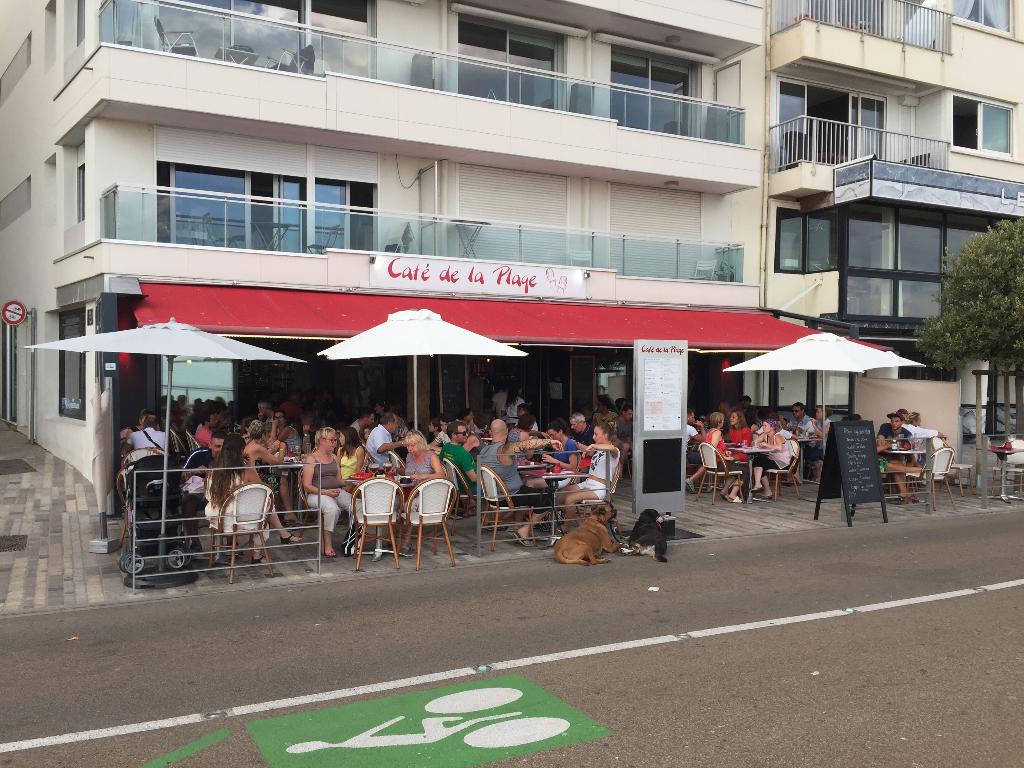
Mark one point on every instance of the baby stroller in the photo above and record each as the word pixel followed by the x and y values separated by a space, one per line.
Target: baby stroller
pixel 141 485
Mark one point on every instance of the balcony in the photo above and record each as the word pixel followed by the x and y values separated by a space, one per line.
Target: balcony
pixel 901 20
pixel 260 43
pixel 812 140
pixel 203 220
pixel 903 41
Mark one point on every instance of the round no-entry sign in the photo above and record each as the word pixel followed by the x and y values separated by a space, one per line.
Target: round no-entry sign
pixel 14 313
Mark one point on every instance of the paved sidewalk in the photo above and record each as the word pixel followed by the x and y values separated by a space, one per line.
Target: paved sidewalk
pixel 54 507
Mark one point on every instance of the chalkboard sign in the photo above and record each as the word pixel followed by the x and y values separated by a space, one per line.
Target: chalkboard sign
pixel 663 465
pixel 850 469
pixel 451 372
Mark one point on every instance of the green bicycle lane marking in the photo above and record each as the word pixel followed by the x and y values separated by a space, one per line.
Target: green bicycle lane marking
pixel 188 750
pixel 456 726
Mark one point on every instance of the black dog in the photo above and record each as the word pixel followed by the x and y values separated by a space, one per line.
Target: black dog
pixel 647 538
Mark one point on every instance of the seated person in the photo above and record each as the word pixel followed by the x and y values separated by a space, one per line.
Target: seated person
pixel 803 426
pixel 281 430
pixel 714 437
pixel 421 464
pixel 525 428
pixel 779 458
pixel 499 455
pixel 894 464
pixel 381 441
pixel 605 415
pixel 456 452
pixel 193 484
pixel 523 412
pixel 436 434
pixel 604 460
pixel 624 430
pixel 582 432
pixel 149 434
pixel 912 423
pixel 567 460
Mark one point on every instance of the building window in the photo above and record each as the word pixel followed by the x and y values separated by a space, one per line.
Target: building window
pixel 341 15
pixel 918 298
pixel 72 366
pixel 960 229
pixel 661 75
pixel 789 241
pixel 980 125
pixel 872 237
pixel 991 13
pixel 870 296
pixel 503 45
pixel 920 247
pixel 807 243
pixel 822 241
pixel 79 22
pixel 80 193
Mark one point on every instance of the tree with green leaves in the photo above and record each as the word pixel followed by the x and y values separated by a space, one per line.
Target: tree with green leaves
pixel 981 308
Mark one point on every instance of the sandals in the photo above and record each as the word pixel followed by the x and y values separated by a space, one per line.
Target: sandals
pixel 329 555
pixel 522 540
pixel 292 538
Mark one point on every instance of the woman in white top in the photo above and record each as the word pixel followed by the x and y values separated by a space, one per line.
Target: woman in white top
pixel 604 460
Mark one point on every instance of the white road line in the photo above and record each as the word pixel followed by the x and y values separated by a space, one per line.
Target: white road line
pixel 461 672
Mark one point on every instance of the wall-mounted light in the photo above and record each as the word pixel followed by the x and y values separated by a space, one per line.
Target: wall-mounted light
pixel 373 259
pixel 586 275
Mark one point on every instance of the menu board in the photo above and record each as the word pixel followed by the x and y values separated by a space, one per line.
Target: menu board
pixel 850 470
pixel 663 394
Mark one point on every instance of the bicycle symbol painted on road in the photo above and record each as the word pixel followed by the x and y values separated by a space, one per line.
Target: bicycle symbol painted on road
pixel 510 733
pixel 463 725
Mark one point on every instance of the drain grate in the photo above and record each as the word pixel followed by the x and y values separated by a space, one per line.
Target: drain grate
pixel 14 467
pixel 13 543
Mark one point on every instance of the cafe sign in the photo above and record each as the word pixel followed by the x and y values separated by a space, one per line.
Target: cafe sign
pixel 462 276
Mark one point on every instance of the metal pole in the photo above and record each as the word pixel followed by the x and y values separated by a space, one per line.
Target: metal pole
pixel 163 491
pixel 415 395
pixel 32 380
pixel 977 427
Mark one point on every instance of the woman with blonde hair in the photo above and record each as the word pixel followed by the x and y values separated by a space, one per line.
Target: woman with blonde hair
pixel 421 464
pixel 322 481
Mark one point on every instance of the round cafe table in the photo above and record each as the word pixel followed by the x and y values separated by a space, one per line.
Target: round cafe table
pixel 551 479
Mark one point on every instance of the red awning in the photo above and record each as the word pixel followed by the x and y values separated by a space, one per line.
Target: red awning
pixel 279 312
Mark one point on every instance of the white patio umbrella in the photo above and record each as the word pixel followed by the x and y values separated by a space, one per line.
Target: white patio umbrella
pixel 417 332
pixel 170 340
pixel 824 352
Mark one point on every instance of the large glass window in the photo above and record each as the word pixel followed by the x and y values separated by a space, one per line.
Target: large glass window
pixel 342 15
pixel 869 296
pixel 979 125
pixel 822 241
pixel 641 110
pixel 203 219
pixel 71 366
pixel 918 298
pixel 991 13
pixel 790 241
pixel 920 241
pixel 960 229
pixel 872 237
pixel 507 46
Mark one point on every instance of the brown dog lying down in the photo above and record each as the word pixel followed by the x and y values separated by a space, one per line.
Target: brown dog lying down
pixel 584 545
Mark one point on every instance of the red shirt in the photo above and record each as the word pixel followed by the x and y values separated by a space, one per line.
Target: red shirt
pixel 740 437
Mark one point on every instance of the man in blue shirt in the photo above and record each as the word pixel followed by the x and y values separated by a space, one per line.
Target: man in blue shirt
pixel 582 432
pixel 896 465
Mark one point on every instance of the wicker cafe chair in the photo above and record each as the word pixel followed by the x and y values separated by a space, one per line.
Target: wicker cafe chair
pixel 938 468
pixel 375 504
pixel 244 513
pixel 429 507
pixel 716 466
pixel 790 472
pixel 497 504
pixel 396 462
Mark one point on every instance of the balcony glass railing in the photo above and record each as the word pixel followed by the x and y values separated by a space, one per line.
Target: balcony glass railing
pixel 906 21
pixel 186 217
pixel 172 27
pixel 813 140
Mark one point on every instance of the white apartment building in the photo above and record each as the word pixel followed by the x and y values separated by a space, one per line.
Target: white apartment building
pixel 894 135
pixel 565 174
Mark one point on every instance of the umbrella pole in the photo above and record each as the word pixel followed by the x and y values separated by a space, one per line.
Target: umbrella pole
pixel 415 394
pixel 163 492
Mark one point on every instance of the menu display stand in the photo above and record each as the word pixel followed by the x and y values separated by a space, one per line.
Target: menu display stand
pixel 850 470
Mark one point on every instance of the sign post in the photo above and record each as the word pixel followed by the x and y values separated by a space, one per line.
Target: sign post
pixel 850 469
pixel 14 313
pixel 659 439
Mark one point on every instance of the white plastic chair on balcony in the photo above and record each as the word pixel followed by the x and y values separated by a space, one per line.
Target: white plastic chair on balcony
pixel 705 270
pixel 428 507
pixel 376 506
pixel 244 513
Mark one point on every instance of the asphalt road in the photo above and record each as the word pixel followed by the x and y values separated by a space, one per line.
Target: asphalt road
pixel 937 684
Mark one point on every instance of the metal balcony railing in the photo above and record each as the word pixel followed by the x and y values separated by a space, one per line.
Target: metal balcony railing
pixel 905 21
pixel 188 217
pixel 180 28
pixel 813 140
